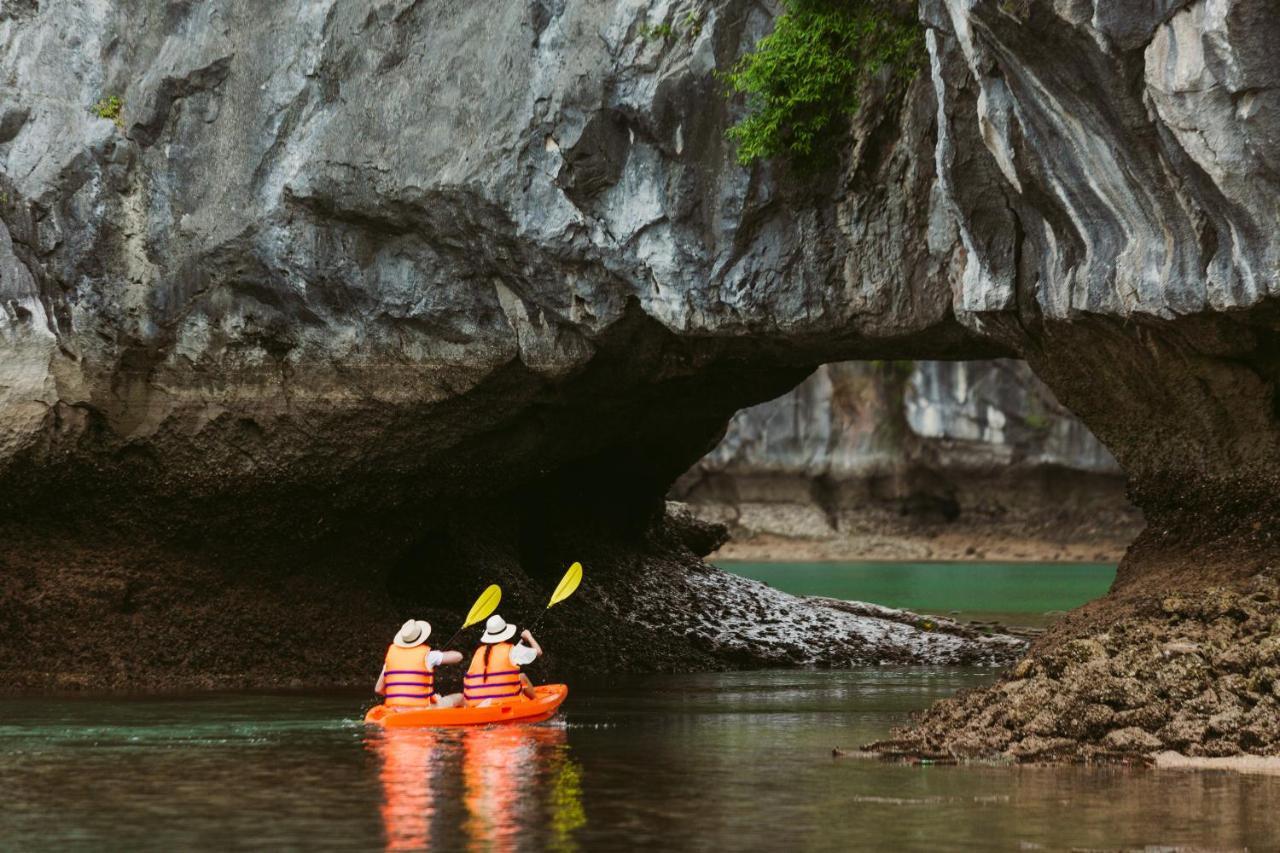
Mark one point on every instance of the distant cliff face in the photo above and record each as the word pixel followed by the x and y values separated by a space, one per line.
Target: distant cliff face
pixel 857 419
pixel 914 459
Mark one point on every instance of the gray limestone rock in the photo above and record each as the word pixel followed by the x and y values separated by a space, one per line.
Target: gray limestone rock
pixel 349 295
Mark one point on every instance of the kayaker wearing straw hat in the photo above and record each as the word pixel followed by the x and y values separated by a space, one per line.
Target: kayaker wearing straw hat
pixel 495 668
pixel 408 673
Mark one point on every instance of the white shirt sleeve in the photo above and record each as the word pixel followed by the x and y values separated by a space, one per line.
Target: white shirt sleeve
pixel 434 658
pixel 522 655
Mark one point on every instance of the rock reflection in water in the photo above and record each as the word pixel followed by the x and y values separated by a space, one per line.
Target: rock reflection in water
pixel 513 778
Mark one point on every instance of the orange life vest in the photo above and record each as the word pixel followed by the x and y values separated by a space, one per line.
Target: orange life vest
pixel 407 681
pixel 492 675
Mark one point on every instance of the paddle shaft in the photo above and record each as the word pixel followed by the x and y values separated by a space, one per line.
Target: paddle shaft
pixel 452 639
pixel 538 621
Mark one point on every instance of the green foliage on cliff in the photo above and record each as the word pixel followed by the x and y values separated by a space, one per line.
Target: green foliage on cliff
pixel 802 80
pixel 657 31
pixel 110 108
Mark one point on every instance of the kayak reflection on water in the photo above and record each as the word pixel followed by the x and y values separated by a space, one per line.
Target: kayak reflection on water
pixel 514 778
pixel 409 758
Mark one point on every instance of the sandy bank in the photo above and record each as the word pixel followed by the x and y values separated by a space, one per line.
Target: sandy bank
pixel 1268 765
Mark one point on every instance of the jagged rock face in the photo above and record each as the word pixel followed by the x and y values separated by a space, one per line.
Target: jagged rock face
pixel 1118 210
pixel 1112 170
pixel 351 295
pixel 920 460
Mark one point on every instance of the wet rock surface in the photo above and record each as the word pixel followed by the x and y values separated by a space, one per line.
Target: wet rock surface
pixel 1195 674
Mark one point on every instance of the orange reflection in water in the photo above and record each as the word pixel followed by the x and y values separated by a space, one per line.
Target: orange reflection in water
pixel 515 780
pixel 500 776
pixel 409 758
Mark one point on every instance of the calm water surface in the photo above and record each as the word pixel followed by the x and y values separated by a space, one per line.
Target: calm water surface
pixel 1014 593
pixel 736 761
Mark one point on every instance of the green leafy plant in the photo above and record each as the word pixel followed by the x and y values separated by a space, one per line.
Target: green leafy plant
pixel 693 25
pixel 802 81
pixel 1020 9
pixel 657 31
pixel 111 108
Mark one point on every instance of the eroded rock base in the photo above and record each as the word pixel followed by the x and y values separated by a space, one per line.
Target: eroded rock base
pixel 1196 672
pixel 96 610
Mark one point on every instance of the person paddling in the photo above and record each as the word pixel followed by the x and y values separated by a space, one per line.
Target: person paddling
pixel 408 673
pixel 495 668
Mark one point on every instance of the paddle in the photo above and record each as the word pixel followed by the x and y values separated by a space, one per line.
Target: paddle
pixel 482 609
pixel 568 584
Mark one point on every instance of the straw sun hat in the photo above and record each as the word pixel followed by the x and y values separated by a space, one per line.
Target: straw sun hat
pixel 413 633
pixel 496 630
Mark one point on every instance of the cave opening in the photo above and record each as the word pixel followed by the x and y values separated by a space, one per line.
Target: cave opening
pixel 873 479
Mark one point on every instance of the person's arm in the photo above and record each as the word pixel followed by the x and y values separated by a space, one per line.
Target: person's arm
pixel 436 657
pixel 533 644
pixel 380 688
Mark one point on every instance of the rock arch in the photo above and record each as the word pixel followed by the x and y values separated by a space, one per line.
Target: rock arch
pixel 290 320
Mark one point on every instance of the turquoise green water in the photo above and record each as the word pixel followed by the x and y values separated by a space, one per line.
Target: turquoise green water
pixel 715 762
pixel 1013 593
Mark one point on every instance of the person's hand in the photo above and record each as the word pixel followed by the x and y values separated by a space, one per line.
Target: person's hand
pixel 526 635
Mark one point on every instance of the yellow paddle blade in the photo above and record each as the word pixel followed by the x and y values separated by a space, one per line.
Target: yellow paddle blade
pixel 568 584
pixel 484 606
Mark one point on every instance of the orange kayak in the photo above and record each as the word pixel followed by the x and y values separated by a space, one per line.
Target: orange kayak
pixel 514 710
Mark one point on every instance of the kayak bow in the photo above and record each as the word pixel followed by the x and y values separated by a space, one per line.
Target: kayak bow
pixel 518 709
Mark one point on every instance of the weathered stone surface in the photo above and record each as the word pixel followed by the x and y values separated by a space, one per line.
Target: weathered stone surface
pixel 354 294
pixel 1120 695
pixel 860 418
pixel 1104 210
pixel 1119 214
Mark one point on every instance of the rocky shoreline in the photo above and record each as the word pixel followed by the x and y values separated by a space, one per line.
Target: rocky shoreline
pixel 1183 674
pixel 649 604
pixel 952 543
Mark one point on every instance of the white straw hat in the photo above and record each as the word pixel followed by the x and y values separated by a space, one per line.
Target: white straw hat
pixel 413 633
pixel 496 630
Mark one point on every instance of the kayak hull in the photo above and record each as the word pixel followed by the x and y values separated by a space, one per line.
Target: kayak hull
pixel 499 712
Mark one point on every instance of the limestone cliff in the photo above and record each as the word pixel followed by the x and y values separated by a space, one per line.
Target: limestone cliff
pixel 350 305
pixel 918 460
pixel 1126 199
pixel 317 314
